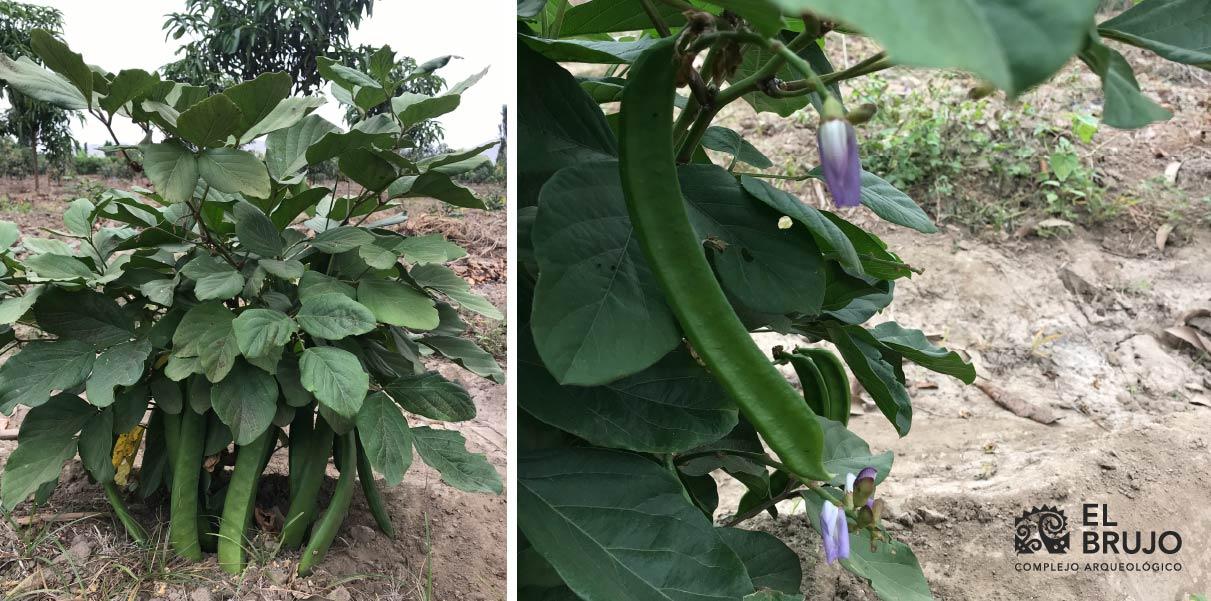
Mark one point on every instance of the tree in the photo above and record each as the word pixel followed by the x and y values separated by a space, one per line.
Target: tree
pixel 502 157
pixel 33 123
pixel 236 40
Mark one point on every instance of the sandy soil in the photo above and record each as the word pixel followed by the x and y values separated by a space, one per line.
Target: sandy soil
pixel 449 544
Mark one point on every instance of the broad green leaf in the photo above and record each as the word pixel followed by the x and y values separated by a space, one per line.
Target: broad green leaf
pixel 384 433
pixel 36 371
pixel 85 315
pixel 1126 107
pixel 756 58
pixel 377 257
pixel 846 453
pixel 78 217
pixel 446 452
pixel 96 445
pixel 1015 45
pixel 878 377
pixel 893 205
pixel 722 139
pixel 590 512
pixel 286 148
pixel 432 396
pixel 234 172
pixel 589 51
pixel 553 135
pixel 119 365
pixel 314 283
pixel 259 331
pixel 167 393
pixel 915 347
pixel 336 378
pixel 210 122
pixel 31 79
pixel 55 267
pixel 599 313
pixel 246 400
pixel 466 84
pixel 257 98
pixel 769 562
pixel 766 269
pixel 12 308
pixel 286 114
pixel 413 108
pixel 128 85
pixel 341 239
pixel 367 168
pixel 214 278
pixel 256 232
pixel 442 279
pixel 610 16
pixel 172 169
pixel 451 158
pixel 1178 30
pixel 60 59
pixel 831 240
pixel 378 130
pixel 672 406
pixel 398 304
pixel 334 316
pixel 46 441
pixel 287 270
pixel 206 332
pixel 436 185
pixel 467 354
pixel 9 234
pixel 429 248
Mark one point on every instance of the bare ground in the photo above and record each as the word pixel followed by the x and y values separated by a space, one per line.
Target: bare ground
pixel 449 544
pixel 1073 323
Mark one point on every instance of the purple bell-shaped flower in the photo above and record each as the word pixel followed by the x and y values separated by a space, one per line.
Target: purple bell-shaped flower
pixel 839 155
pixel 835 531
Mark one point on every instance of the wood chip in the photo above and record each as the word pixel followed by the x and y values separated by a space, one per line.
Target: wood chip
pixel 1017 405
pixel 46 518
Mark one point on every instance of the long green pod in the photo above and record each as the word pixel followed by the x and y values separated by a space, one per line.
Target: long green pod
pixel 301 429
pixel 837 380
pixel 374 499
pixel 338 507
pixel 241 500
pixel 674 252
pixel 302 505
pixel 815 388
pixel 133 528
pixel 183 524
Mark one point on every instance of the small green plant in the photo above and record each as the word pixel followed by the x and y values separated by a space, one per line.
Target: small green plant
pixel 244 307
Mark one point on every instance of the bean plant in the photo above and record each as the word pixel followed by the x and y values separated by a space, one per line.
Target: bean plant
pixel 235 307
pixel 647 263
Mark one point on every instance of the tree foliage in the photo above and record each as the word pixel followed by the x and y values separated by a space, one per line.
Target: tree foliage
pixel 35 125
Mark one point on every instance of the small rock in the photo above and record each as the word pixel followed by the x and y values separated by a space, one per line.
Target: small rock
pixel 930 516
pixel 78 551
pixel 363 534
pixel 1107 465
pixel 340 593
pixel 278 576
pixel 200 594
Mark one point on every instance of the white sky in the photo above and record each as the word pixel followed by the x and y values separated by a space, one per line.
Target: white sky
pixel 124 34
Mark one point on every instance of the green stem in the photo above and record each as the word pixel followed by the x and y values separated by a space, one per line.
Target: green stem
pixel 661 27
pixel 240 501
pixel 374 500
pixel 183 525
pixel 133 529
pixel 330 522
pixel 302 503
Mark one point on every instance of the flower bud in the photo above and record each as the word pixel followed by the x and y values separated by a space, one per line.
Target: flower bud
pixel 839 160
pixel 866 517
pixel 862 114
pixel 864 486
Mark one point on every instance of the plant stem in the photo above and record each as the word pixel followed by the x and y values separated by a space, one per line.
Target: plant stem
pixel 661 27
pixel 133 529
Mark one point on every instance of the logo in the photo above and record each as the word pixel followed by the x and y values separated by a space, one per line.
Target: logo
pixel 1041 528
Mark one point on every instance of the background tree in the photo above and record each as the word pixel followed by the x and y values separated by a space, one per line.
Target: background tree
pixel 236 40
pixel 34 124
pixel 399 75
pixel 502 157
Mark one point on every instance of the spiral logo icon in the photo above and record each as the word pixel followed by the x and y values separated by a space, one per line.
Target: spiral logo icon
pixel 1041 528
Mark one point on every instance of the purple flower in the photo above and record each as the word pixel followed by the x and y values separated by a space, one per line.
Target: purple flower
pixel 840 162
pixel 835 531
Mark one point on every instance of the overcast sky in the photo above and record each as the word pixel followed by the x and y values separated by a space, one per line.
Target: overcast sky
pixel 122 34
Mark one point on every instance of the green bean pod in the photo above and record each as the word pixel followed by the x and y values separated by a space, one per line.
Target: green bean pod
pixel 674 252
pixel 133 528
pixel 241 501
pixel 302 502
pixel 183 525
pixel 374 499
pixel 815 388
pixel 836 382
pixel 338 507
pixel 301 428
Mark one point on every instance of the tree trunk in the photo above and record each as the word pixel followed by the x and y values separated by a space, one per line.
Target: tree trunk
pixel 34 149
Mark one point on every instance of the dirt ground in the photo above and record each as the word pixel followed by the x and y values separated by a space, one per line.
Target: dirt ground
pixel 449 544
pixel 1071 322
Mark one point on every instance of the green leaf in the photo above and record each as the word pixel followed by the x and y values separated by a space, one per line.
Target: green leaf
pixel 756 58
pixel 78 217
pixel 206 332
pixel 54 267
pixel 167 393
pixel 442 279
pixel 119 365
pixel 85 315
pixel 46 441
pixel 314 283
pixel 861 353
pixel 846 453
pixel 916 347
pixel 9 234
pixel 336 378
pixel 287 113
pixel 762 267
pixel 60 59
pixel 341 239
pixel 259 331
pixel 257 98
pixel 378 130
pixel 214 278
pixel 287 270
pixel 1015 45
pixel 432 396
pixel 286 149
pixel 172 169
pixel 39 369
pixel 430 248
pixel 672 406
pixel 1125 106
pixel 831 240
pixel 722 139
pixel 769 562
pixel 210 122
pixel 589 51
pixel 590 512
pixel 1174 29
pixel 234 172
pixel 29 78
pixel 599 314
pixel 398 304
pixel 13 308
pixel 96 444
pixel 257 233
pixel 246 400
pixel 610 16
pixel 893 205
pixel 377 257
pixel 413 108
pixel 435 185
pixel 891 569
pixel 385 435
pixel 446 452
pixel 334 316
pixel 367 168
pixel 128 85
pixel 467 354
